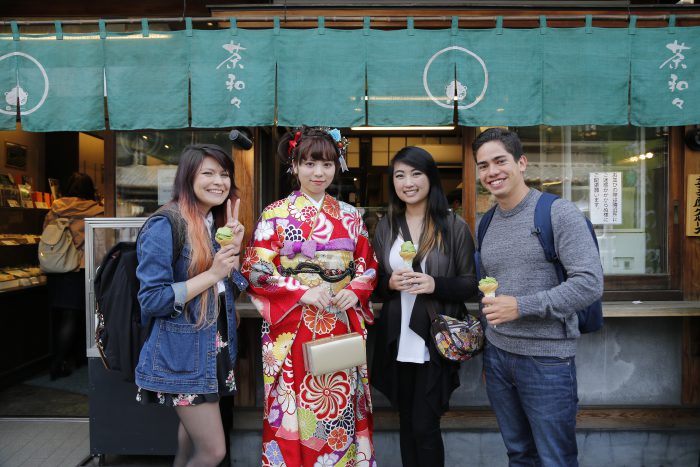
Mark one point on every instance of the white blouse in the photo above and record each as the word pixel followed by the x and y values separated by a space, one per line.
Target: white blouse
pixel 412 348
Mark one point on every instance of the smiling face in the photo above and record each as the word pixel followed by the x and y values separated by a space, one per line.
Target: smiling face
pixel 411 185
pixel 314 176
pixel 501 174
pixel 212 184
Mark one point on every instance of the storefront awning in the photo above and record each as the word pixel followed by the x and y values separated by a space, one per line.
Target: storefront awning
pixel 322 76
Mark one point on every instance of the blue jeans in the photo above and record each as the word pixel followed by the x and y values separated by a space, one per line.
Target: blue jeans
pixel 535 402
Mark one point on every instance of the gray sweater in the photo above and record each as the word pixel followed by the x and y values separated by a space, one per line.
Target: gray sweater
pixel 511 253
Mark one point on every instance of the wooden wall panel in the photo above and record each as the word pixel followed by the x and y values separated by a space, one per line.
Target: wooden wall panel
pixel 691 288
pixel 690 245
pixel 245 181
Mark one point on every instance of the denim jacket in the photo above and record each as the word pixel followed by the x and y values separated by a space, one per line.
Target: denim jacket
pixel 177 357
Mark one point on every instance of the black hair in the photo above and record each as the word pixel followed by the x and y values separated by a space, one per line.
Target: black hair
pixel 436 211
pixel 509 140
pixel 81 186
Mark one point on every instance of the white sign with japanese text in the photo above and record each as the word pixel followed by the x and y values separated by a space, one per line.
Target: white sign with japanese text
pixel 692 221
pixel 606 197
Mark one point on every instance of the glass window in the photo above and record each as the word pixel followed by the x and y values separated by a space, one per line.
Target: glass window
pixel 561 160
pixel 146 164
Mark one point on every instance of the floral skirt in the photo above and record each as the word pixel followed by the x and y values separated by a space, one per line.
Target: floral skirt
pixel 224 374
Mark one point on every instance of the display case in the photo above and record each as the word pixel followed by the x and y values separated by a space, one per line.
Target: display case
pixel 26 322
pixel 118 424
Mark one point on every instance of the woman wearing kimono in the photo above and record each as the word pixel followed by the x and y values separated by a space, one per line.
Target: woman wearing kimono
pixel 311 270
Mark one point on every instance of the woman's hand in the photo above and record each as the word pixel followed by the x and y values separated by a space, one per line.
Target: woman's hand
pixel 224 261
pixel 345 299
pixel 398 280
pixel 419 283
pixel 318 296
pixel 236 227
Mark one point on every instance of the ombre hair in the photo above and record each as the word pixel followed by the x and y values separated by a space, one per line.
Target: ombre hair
pixel 436 210
pixel 197 235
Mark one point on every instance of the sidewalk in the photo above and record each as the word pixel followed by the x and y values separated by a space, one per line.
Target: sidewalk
pixel 57 442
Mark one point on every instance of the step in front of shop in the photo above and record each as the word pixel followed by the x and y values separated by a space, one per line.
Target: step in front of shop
pixel 605 436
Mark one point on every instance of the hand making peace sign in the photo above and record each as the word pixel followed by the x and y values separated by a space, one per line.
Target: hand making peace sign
pixel 235 226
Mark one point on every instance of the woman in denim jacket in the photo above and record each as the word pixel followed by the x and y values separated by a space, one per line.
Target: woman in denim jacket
pixel 188 360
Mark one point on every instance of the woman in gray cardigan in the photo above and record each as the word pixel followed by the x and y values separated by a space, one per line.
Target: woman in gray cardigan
pixel 406 365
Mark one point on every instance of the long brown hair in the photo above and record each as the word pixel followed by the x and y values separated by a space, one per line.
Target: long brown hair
pixel 197 235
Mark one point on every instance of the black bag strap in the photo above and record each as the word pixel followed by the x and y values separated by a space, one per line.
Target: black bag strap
pixel 179 228
pixel 480 234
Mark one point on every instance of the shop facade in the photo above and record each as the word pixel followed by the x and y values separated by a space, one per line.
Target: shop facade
pixel 599 96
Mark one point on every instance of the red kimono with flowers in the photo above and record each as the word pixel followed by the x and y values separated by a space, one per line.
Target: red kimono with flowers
pixel 311 420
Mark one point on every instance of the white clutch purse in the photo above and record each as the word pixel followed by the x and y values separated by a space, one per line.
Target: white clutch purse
pixel 335 353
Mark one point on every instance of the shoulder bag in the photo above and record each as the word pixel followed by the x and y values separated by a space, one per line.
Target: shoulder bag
pixel 455 340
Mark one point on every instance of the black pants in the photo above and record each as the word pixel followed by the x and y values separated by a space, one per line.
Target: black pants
pixel 421 440
pixel 67 340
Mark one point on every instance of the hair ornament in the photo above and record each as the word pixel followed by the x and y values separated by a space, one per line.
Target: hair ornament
pixel 341 145
pixel 293 142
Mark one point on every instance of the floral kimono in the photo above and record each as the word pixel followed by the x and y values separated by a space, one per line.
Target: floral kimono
pixel 311 420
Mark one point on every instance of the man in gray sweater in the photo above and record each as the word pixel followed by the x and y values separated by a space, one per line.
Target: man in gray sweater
pixel 532 323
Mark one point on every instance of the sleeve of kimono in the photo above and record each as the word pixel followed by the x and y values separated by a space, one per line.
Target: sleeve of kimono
pixel 275 296
pixel 365 278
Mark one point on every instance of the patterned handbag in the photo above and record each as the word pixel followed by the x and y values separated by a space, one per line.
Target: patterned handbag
pixel 456 340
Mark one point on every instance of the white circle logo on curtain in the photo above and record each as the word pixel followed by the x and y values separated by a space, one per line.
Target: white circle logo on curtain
pixel 463 92
pixel 11 96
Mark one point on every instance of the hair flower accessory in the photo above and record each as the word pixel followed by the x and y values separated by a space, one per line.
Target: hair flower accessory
pixel 341 144
pixel 293 142
pixel 335 134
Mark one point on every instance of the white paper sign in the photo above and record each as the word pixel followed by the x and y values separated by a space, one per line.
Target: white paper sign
pixel 606 197
pixel 166 177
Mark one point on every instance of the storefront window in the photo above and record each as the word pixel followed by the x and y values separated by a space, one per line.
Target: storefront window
pixel 561 161
pixel 146 164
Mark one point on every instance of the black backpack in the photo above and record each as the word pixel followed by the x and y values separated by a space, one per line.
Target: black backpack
pixel 120 334
pixel 590 319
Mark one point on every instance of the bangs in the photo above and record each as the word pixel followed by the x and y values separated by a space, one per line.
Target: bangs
pixel 318 149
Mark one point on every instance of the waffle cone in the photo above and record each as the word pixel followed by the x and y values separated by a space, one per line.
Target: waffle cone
pixel 407 255
pixel 489 290
pixel 224 242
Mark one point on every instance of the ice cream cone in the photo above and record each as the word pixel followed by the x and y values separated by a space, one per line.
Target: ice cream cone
pixel 408 252
pixel 223 236
pixel 488 286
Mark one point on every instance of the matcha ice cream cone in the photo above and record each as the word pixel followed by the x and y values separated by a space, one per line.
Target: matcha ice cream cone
pixel 488 286
pixel 223 236
pixel 408 252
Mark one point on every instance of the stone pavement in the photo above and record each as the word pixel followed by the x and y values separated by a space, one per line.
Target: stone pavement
pixel 64 442
pixel 57 442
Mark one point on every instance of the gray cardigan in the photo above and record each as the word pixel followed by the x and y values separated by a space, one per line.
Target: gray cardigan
pixel 548 325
